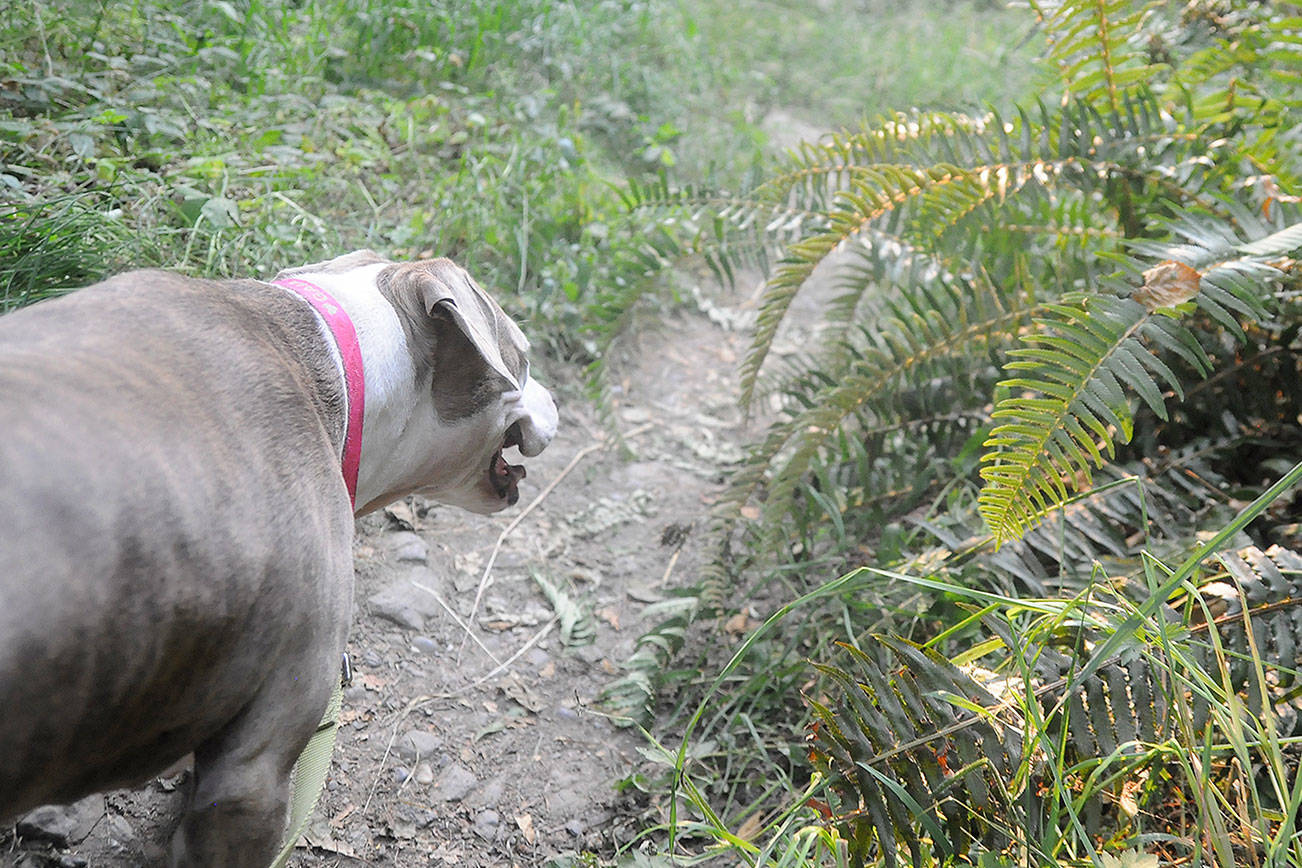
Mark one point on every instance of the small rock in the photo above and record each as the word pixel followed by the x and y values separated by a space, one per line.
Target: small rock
pixel 424 774
pixel 425 645
pixel 355 695
pixel 119 830
pixel 400 774
pixel 576 827
pixel 488 795
pixel 590 654
pixel 372 659
pixel 396 611
pixel 406 547
pixel 537 658
pixel 419 743
pixel 67 860
pixel 486 824
pixel 455 783
pixel 60 823
pixel 406 599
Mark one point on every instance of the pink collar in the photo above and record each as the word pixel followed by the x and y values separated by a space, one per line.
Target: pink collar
pixel 354 377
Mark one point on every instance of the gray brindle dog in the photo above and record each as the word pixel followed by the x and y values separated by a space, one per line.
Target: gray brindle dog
pixel 176 570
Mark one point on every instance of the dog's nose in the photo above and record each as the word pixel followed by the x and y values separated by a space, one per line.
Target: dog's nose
pixel 538 423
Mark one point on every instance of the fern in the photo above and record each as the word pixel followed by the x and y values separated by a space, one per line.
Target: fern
pixel 1057 344
pixel 1069 403
pixel 966 749
pixel 1098 47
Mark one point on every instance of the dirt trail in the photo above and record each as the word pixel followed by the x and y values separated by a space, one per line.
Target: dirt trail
pixel 481 748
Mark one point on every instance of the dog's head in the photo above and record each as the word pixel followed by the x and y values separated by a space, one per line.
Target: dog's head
pixel 474 398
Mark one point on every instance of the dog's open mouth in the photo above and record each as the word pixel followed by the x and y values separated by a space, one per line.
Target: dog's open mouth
pixel 505 477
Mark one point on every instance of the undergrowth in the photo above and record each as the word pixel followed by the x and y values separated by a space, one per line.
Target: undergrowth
pixel 1045 434
pixel 236 138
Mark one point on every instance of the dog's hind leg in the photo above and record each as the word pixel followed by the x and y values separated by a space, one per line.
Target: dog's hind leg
pixel 240 800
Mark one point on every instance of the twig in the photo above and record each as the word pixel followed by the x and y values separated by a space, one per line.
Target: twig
pixel 515 522
pixel 501 667
pixel 669 569
pixel 462 624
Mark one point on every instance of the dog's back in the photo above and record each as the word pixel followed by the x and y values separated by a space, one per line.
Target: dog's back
pixel 115 418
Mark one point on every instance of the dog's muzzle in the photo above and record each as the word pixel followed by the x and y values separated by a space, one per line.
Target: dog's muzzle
pixel 531 429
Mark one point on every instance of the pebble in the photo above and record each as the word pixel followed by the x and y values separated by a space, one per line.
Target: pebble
pixel 400 774
pixel 486 824
pixel 372 659
pixel 537 658
pixel 419 743
pixel 455 783
pixel 424 774
pixel 488 795
pixel 59 823
pixel 425 645
pixel 394 611
pixel 48 823
pixel 407 547
pixel 576 827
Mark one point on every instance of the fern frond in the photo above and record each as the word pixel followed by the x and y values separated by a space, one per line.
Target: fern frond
pixel 960 744
pixel 1098 47
pixel 928 342
pixel 940 194
pixel 1069 406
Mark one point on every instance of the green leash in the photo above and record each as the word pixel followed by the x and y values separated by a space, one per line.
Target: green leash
pixel 309 774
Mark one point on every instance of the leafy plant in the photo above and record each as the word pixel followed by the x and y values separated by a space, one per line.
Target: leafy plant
pixel 956 758
pixel 1059 344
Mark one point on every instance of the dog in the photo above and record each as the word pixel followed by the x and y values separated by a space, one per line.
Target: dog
pixel 176 568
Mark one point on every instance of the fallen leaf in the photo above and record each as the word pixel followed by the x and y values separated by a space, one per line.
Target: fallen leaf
pixel 371 682
pixel 338 819
pixel 609 614
pixel 644 594
pixel 401 514
pixel 1168 284
pixel 738 624
pixel 525 823
pixel 576 625
pixel 497 724
pixel 750 828
pixel 523 694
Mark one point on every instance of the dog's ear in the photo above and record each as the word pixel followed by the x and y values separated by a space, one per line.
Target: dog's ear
pixel 441 289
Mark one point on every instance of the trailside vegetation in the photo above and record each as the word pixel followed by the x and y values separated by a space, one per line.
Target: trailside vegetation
pixel 1047 434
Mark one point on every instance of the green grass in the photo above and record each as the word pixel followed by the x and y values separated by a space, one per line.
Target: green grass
pixel 226 138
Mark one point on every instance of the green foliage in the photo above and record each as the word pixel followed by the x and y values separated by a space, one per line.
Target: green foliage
pixel 922 752
pixel 56 243
pixel 951 239
pixel 234 138
pixel 1059 344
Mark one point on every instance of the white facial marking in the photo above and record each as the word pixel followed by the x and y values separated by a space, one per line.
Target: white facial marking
pixel 404 445
pixel 536 412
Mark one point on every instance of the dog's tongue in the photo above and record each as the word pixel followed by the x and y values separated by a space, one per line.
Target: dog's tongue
pixel 506 478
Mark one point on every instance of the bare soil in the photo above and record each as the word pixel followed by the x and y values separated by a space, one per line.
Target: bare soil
pixel 470 733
